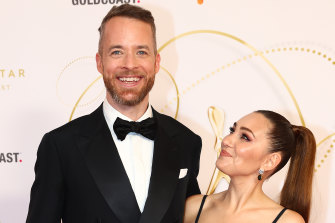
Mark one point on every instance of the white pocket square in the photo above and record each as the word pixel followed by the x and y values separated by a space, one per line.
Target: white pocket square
pixel 182 173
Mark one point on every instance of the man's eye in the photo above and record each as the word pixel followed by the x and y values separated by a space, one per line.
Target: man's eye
pixel 116 52
pixel 142 52
pixel 231 130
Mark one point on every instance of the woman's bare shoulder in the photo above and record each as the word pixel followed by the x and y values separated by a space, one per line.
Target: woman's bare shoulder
pixel 194 198
pixel 291 216
pixel 192 207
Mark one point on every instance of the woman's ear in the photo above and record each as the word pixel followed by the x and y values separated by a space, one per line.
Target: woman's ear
pixel 271 162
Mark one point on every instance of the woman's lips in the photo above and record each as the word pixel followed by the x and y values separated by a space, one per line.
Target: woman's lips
pixel 225 153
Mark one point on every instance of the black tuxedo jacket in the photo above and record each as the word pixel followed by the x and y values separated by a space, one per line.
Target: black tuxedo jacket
pixel 80 177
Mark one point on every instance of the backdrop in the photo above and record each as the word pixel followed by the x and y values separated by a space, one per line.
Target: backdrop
pixel 237 56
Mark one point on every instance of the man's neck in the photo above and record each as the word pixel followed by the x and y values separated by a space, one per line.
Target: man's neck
pixel 134 112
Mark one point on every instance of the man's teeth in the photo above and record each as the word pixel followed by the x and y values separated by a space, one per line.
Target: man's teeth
pixel 129 79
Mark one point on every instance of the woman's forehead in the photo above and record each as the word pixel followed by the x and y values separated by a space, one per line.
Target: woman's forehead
pixel 255 122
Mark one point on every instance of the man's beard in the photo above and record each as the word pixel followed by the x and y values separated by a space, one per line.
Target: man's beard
pixel 117 95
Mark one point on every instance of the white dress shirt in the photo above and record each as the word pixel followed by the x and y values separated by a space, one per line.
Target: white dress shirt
pixel 136 153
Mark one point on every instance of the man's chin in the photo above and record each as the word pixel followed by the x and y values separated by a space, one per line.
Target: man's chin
pixel 128 100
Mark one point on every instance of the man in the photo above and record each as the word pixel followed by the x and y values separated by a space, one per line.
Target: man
pixel 92 169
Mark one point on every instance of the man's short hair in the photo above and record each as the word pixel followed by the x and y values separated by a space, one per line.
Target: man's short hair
pixel 129 11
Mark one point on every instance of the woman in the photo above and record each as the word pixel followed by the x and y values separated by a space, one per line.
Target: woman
pixel 258 146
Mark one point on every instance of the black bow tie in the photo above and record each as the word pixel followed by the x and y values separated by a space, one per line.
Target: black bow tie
pixel 146 128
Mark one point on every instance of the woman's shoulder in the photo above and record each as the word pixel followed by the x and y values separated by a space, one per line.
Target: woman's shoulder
pixel 193 203
pixel 195 198
pixel 291 216
pixel 192 207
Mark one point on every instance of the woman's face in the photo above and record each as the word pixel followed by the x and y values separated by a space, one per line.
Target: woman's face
pixel 244 150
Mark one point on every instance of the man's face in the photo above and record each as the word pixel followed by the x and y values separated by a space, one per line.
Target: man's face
pixel 127 60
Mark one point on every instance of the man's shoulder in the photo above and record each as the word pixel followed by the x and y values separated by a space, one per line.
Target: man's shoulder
pixel 170 123
pixel 83 123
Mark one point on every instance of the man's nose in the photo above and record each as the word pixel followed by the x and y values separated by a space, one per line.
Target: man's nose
pixel 130 61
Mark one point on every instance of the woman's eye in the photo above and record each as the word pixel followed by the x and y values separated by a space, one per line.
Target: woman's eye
pixel 245 137
pixel 231 130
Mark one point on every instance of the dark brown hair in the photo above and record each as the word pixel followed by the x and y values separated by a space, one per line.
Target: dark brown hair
pixel 296 143
pixel 129 11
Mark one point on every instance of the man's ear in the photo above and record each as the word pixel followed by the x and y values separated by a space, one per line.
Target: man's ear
pixel 157 62
pixel 271 162
pixel 98 59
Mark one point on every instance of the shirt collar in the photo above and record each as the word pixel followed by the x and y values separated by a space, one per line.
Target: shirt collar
pixel 111 113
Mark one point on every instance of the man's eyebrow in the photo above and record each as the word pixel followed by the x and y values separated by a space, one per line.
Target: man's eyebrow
pixel 120 47
pixel 145 47
pixel 245 128
pixel 114 47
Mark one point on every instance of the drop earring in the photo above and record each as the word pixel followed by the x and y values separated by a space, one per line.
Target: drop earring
pixel 260 174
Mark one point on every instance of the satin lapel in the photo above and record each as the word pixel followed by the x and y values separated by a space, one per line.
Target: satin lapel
pixel 106 168
pixel 164 177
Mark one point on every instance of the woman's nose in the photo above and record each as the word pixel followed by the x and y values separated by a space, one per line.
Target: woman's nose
pixel 227 141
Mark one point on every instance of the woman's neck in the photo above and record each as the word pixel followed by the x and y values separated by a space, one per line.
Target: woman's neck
pixel 243 193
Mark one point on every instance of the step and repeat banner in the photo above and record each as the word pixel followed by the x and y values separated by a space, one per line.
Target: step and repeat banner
pixel 233 56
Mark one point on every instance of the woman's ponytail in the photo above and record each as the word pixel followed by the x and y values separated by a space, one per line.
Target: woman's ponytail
pixel 297 191
pixel 297 144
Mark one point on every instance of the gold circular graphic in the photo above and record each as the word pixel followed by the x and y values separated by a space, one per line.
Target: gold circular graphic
pixel 256 53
